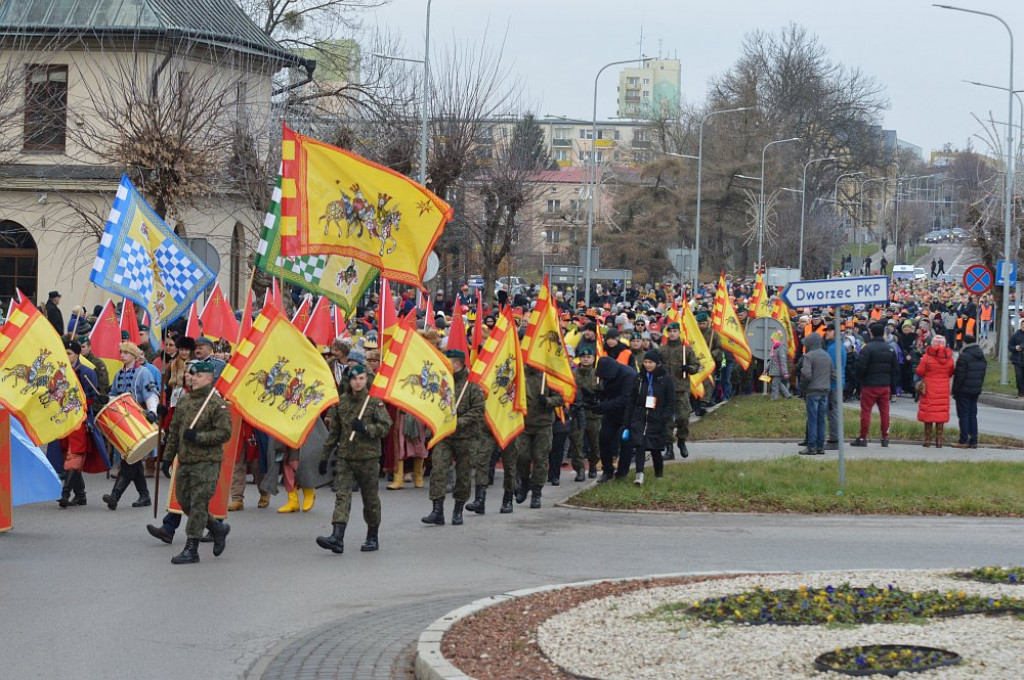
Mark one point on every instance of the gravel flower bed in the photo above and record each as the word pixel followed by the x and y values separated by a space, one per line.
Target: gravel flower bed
pixel 1008 575
pixel 630 637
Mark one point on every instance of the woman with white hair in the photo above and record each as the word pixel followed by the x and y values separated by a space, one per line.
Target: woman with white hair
pixel 935 370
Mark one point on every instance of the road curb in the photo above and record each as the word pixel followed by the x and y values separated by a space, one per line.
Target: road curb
pixel 430 662
pixel 1000 401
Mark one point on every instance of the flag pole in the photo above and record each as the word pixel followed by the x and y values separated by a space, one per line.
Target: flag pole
pixel 159 446
pixel 461 394
pixel 362 411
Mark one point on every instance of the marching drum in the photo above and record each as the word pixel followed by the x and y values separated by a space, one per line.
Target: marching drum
pixel 124 423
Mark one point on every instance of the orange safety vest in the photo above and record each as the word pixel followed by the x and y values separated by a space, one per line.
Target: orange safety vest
pixel 876 314
pixel 960 328
pixel 986 312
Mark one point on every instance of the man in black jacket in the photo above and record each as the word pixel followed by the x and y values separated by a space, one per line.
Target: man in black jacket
pixel 1017 358
pixel 53 313
pixel 616 380
pixel 877 372
pixel 968 379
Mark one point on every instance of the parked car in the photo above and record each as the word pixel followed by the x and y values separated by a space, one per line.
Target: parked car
pixel 908 272
pixel 475 281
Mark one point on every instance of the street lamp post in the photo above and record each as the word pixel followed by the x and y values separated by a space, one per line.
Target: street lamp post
pixel 760 217
pixel 803 209
pixel 543 248
pixel 1004 321
pixel 835 191
pixel 593 179
pixel 700 168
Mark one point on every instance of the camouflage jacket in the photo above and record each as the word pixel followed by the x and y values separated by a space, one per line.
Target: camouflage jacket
pixel 365 445
pixel 213 428
pixel 471 408
pixel 672 357
pixel 714 345
pixel 586 385
pixel 539 417
pixel 102 375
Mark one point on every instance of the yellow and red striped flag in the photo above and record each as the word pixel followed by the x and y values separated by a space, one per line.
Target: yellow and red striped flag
pixel 544 347
pixel 699 347
pixel 39 385
pixel 780 312
pixel 499 371
pixel 724 320
pixel 277 381
pixel 415 377
pixel 760 305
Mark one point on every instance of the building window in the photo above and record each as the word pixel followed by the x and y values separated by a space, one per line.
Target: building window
pixel 46 108
pixel 563 133
pixel 647 94
pixel 242 104
pixel 647 81
pixel 19 261
pixel 633 80
pixel 574 205
pixel 554 205
pixel 561 154
pixel 586 155
pixel 586 133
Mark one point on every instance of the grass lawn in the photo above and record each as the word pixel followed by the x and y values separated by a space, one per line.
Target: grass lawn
pixel 992 380
pixel 802 485
pixel 758 417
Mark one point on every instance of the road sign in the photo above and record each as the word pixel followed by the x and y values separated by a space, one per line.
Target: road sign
pixel 978 279
pixel 1001 269
pixel 759 335
pixel 840 291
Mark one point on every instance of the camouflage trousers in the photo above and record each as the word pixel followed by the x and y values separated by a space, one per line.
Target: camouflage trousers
pixel 590 432
pixel 532 461
pixel 365 472
pixel 194 486
pixel 462 452
pixel 509 459
pixel 482 451
pixel 681 431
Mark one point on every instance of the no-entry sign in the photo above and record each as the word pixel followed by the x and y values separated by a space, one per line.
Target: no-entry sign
pixel 978 279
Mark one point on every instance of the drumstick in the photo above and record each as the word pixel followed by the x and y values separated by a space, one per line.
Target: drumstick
pixel 362 411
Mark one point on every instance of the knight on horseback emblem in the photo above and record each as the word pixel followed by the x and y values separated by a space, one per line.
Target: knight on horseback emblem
pixel 359 215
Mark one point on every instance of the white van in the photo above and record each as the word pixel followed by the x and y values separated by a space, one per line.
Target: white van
pixel 908 272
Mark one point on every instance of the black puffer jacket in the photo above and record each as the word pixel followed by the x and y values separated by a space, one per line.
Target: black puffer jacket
pixel 616 385
pixel 877 365
pixel 648 427
pixel 969 373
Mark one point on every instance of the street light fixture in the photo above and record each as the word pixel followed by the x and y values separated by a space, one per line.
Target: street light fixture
pixel 592 180
pixel 700 169
pixel 760 217
pixel 803 209
pixel 1004 322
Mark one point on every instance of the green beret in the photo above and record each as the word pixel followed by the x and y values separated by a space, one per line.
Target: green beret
pixel 455 354
pixel 702 316
pixel 674 326
pixel 83 338
pixel 356 369
pixel 637 335
pixel 586 350
pixel 202 367
pixel 740 308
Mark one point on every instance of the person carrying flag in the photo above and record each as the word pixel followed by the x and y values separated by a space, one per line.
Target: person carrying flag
pixel 680 361
pixel 76 445
pixel 534 444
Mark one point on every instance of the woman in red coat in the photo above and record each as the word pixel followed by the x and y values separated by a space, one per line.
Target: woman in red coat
pixel 935 369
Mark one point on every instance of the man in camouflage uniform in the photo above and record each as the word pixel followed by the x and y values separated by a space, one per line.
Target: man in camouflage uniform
pixel 199 447
pixel 484 450
pixel 680 368
pixel 714 344
pixel 458 446
pixel 586 423
pixel 534 443
pixel 358 459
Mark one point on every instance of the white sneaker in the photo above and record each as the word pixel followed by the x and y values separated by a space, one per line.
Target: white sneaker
pixel 639 481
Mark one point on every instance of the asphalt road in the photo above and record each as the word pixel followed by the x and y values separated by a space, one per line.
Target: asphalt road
pixel 87 593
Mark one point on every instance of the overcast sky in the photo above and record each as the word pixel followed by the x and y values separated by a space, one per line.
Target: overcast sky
pixel 919 53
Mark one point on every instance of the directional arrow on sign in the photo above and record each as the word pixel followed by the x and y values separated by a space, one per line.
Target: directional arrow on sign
pixel 841 291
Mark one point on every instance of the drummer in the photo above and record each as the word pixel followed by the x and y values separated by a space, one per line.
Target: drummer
pixel 134 379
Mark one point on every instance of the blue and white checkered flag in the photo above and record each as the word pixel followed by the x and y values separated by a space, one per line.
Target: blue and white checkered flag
pixel 142 259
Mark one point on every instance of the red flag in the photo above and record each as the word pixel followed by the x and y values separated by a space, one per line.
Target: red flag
pixel 218 318
pixel 340 329
pixel 457 335
pixel 106 337
pixel 319 328
pixel 246 323
pixel 193 329
pixel 301 317
pixel 129 322
pixel 278 301
pixel 428 314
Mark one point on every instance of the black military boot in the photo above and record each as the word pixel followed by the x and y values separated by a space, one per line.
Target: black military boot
pixel 189 555
pixel 219 531
pixel 592 472
pixel 144 501
pixel 457 513
pixel 682 450
pixel 535 497
pixel 79 488
pixel 436 515
pixel 670 453
pixel 581 476
pixel 65 492
pixel 478 503
pixel 158 531
pixel 370 544
pixel 521 491
pixel 114 496
pixel 506 503
pixel 336 541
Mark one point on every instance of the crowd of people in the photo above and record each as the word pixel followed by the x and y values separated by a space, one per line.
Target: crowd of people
pixel 632 366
